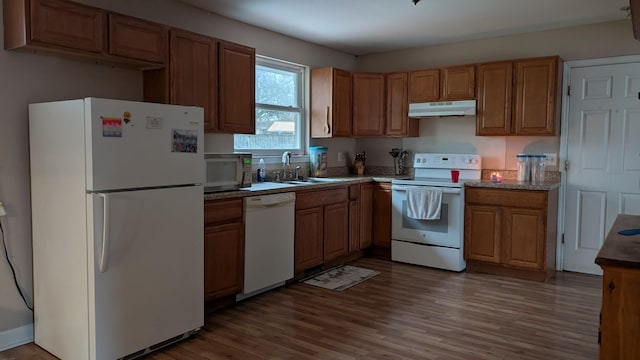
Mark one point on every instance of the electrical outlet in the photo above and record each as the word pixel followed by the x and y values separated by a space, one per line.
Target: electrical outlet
pixel 551 160
pixel 2 211
pixel 340 156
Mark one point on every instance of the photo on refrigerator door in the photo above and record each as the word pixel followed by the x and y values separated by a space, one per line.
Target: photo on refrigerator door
pixel 184 141
pixel 111 127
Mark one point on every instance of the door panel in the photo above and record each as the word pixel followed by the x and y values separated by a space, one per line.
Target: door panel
pixel 142 152
pixel 152 285
pixel 603 178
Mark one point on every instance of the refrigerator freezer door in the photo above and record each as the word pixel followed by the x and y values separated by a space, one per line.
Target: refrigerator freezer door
pixel 151 285
pixel 133 145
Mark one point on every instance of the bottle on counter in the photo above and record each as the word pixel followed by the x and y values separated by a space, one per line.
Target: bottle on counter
pixel 262 172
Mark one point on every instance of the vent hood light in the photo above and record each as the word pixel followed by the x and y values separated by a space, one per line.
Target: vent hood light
pixel 443 108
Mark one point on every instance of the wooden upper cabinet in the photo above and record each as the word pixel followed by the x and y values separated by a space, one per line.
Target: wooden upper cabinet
pixel 137 39
pixel 494 94
pixel 330 103
pixel 192 73
pixel 424 85
pixel 398 122
pixel 79 31
pixel 536 82
pixel 457 83
pixel 236 87
pixel 451 83
pixel 368 104
pixel 55 24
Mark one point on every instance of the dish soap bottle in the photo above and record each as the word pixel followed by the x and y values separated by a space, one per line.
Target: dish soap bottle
pixel 262 172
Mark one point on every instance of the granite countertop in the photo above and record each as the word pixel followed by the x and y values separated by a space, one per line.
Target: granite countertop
pixel 266 188
pixel 514 184
pixel 620 250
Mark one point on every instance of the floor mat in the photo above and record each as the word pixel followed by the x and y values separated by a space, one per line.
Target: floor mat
pixel 341 278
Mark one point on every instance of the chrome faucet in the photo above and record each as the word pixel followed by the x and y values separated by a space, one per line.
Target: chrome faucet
pixel 286 162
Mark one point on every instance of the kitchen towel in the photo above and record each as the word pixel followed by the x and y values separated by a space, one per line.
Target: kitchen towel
pixel 424 203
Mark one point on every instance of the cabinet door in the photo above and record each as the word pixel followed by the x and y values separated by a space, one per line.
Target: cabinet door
pixel 341 103
pixel 424 85
pixel 620 317
pixel 382 215
pixel 223 260
pixel 237 88
pixel 330 103
pixel 368 104
pixel 192 67
pixel 309 237
pixel 494 89
pixel 535 96
pixel 366 215
pixel 68 24
pixel 398 122
pixel 336 231
pixel 137 39
pixel 457 83
pixel 482 233
pixel 524 238
pixel 354 226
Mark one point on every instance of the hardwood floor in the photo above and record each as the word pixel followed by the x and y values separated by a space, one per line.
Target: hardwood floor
pixel 405 312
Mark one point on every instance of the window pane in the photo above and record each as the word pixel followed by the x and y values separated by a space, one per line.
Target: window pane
pixel 275 129
pixel 276 87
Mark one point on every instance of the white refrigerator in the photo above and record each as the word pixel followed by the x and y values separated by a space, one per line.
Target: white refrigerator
pixel 117 225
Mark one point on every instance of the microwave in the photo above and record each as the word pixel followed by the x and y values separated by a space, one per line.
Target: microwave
pixel 225 172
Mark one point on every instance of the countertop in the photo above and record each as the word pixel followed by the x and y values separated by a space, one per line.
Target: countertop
pixel 514 184
pixel 620 250
pixel 266 188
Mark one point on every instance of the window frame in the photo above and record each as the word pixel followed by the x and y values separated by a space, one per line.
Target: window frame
pixel 302 109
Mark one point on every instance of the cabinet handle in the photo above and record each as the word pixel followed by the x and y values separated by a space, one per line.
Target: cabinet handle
pixel 612 286
pixel 327 128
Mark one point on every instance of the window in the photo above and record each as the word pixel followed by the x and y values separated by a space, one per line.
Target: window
pixel 280 111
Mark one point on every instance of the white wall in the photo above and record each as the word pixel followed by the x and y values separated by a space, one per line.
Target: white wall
pixel 27 77
pixel 457 135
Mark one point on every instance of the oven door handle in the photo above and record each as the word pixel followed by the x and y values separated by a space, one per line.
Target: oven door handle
pixel 444 190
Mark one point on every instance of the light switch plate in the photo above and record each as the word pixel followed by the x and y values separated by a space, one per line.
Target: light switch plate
pixel 551 160
pixel 340 156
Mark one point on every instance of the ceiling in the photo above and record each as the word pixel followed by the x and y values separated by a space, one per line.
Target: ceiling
pixel 362 27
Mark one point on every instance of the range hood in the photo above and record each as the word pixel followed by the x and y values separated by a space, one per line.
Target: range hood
pixel 443 108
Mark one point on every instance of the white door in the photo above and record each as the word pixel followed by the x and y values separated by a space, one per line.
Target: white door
pixel 147 277
pixel 133 144
pixel 603 150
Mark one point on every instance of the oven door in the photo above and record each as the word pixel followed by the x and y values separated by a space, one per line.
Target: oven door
pixel 447 231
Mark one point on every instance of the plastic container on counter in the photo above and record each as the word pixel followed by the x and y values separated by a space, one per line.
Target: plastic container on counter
pixel 523 166
pixel 318 161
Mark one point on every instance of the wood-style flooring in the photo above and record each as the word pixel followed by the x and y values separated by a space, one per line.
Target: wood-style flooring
pixel 405 312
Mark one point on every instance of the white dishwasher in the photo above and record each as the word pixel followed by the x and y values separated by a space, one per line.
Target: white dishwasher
pixel 269 233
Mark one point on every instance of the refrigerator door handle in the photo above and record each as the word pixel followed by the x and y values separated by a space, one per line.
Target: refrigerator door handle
pixel 104 254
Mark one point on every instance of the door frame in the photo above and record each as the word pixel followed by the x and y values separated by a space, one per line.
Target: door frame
pixel 564 128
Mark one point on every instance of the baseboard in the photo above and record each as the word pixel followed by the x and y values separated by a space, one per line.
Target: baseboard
pixel 16 337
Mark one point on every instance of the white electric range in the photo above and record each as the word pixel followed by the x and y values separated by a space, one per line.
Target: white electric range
pixel 433 243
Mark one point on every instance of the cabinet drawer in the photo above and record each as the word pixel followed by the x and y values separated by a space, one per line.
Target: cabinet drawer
pixel 222 211
pixel 311 199
pixel 505 197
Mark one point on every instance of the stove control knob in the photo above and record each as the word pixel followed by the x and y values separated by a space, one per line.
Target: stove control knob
pixel 475 161
pixel 468 161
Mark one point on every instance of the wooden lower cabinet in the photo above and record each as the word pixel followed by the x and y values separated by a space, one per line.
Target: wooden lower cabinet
pixel 336 231
pixel 620 316
pixel 308 238
pixel 322 227
pixel 366 216
pixel 382 215
pixel 223 248
pixel 511 232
